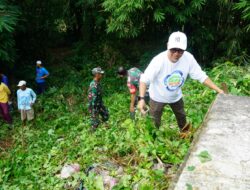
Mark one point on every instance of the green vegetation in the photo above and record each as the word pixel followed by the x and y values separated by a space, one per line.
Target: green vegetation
pixel 204 156
pixel 8 21
pixel 215 28
pixel 73 36
pixel 61 134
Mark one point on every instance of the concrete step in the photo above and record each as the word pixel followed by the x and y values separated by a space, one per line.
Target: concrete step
pixel 219 158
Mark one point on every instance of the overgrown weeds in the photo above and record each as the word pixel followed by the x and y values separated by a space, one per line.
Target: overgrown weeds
pixel 60 134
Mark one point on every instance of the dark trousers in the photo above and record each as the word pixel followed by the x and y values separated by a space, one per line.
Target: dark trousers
pixel 95 112
pixel 41 87
pixel 4 110
pixel 156 109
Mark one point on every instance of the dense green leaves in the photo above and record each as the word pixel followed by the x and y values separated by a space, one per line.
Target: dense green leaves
pixel 61 133
pixel 123 17
pixel 159 16
pixel 131 18
pixel 8 21
pixel 8 17
pixel 244 6
pixel 215 29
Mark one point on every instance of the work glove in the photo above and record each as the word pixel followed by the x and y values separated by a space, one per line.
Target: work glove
pixel 132 115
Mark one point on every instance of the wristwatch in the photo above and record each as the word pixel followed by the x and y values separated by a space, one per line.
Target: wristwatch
pixel 141 98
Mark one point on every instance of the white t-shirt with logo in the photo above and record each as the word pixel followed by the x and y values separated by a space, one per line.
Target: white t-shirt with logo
pixel 167 78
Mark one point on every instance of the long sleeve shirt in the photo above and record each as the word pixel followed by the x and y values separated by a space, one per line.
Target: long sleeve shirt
pixel 4 93
pixel 167 78
pixel 25 98
pixel 94 94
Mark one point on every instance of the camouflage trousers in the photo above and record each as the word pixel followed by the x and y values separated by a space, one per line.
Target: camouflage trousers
pixel 96 112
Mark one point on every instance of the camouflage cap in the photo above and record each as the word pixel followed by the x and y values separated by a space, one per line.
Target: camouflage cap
pixel 97 70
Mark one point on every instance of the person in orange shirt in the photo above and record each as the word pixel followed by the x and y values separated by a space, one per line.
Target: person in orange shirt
pixel 4 97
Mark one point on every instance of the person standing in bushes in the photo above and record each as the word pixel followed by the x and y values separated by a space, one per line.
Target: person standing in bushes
pixel 95 102
pixel 26 98
pixel 41 75
pixel 5 80
pixel 133 79
pixel 4 97
pixel 166 74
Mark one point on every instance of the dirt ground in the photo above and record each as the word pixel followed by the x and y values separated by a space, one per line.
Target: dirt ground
pixel 5 144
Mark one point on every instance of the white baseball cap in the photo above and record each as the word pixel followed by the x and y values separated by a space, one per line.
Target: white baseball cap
pixel 177 40
pixel 21 83
pixel 38 62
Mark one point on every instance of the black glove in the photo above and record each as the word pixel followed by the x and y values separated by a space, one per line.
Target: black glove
pixel 132 115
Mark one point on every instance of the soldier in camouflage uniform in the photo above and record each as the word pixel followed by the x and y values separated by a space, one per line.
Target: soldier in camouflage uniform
pixel 95 103
pixel 133 82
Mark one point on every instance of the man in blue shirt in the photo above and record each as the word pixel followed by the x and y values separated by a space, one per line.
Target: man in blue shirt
pixel 41 75
pixel 26 97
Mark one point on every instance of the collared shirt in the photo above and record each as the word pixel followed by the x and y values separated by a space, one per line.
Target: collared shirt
pixel 94 94
pixel 25 98
pixel 4 93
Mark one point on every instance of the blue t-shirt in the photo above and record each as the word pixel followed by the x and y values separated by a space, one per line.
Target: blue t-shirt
pixel 40 72
pixel 5 80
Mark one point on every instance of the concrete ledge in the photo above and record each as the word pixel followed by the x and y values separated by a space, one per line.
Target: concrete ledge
pixel 223 144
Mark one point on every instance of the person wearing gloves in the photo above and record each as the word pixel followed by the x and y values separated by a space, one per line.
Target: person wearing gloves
pixel 26 98
pixel 95 102
pixel 133 79
pixel 166 74
pixel 41 75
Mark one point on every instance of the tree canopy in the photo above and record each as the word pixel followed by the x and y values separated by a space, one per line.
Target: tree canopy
pixel 215 28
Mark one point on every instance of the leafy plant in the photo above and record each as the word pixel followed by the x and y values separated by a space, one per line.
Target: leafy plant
pixel 9 15
pixel 60 134
pixel 191 168
pixel 204 156
pixel 244 6
pixel 189 186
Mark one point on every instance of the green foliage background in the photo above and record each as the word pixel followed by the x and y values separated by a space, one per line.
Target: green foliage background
pixel 73 36
pixel 31 30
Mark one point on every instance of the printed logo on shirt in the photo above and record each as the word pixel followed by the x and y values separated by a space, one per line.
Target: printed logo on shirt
pixel 174 80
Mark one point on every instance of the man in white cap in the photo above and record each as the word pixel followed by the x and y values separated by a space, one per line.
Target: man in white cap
pixel 166 74
pixel 41 75
pixel 26 97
